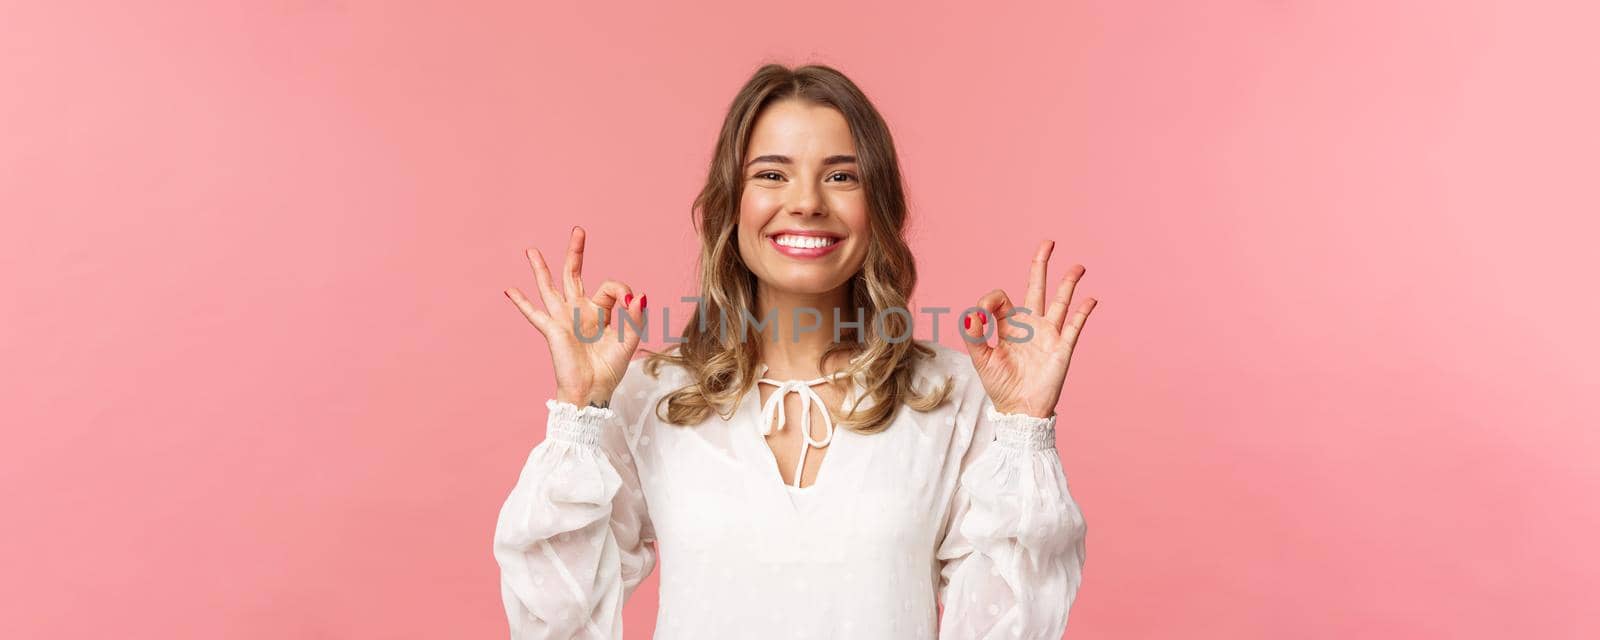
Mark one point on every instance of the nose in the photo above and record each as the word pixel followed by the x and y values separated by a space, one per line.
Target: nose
pixel 806 200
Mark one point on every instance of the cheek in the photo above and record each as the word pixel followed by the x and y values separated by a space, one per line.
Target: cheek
pixel 747 208
pixel 746 240
pixel 749 226
pixel 853 211
pixel 757 203
pixel 856 219
pixel 754 215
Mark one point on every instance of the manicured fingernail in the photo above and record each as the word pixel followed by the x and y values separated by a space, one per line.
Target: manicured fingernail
pixel 983 318
pixel 627 300
pixel 644 301
pixel 967 321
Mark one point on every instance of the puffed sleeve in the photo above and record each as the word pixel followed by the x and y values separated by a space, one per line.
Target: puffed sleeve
pixel 574 538
pixel 1012 554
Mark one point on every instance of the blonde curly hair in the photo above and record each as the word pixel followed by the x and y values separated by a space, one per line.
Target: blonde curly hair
pixel 721 366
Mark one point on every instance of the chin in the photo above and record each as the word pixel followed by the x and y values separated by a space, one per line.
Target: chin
pixel 806 284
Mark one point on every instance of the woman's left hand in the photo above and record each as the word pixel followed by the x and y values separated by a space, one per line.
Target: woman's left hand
pixel 1024 372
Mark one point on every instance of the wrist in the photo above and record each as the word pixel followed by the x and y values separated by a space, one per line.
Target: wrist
pixel 1034 412
pixel 596 397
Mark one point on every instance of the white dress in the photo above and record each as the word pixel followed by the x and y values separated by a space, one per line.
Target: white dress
pixel 960 506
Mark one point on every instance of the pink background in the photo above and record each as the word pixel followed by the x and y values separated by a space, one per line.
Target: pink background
pixel 260 380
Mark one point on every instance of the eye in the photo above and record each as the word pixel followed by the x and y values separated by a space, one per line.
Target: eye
pixel 842 174
pixel 764 174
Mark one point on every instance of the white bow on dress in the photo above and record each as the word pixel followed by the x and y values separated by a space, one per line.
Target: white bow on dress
pixel 773 408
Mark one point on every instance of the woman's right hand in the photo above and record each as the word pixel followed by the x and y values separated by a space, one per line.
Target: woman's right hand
pixel 586 372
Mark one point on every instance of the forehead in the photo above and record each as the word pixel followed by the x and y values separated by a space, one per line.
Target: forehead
pixel 795 128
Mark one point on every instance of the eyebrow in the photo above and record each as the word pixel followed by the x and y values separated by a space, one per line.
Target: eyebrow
pixel 837 159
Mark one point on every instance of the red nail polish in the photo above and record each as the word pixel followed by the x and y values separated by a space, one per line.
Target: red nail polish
pixel 627 300
pixel 967 321
pixel 983 318
pixel 644 301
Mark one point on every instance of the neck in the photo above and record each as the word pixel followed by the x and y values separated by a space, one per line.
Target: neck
pixel 800 329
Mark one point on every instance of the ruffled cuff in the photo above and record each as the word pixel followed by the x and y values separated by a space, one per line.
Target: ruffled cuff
pixel 1021 431
pixel 574 424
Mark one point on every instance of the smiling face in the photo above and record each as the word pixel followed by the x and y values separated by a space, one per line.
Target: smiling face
pixel 803 211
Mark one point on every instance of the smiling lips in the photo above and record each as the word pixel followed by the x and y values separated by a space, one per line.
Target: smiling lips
pixel 804 244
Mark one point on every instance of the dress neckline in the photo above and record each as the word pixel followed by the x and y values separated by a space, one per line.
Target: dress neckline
pixel 772 417
pixel 772 411
pixel 762 368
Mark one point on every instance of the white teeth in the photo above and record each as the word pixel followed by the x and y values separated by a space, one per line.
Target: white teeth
pixel 805 242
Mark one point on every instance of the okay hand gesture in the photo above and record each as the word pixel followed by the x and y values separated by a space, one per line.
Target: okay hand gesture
pixel 1025 374
pixel 587 369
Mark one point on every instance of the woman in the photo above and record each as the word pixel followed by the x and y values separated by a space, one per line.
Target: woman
pixel 785 502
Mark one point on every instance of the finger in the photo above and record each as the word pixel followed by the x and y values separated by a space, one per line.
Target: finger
pixel 607 297
pixel 634 307
pixel 972 333
pixel 1075 328
pixel 1034 299
pixel 998 305
pixel 1058 307
pixel 547 290
pixel 538 318
pixel 573 276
